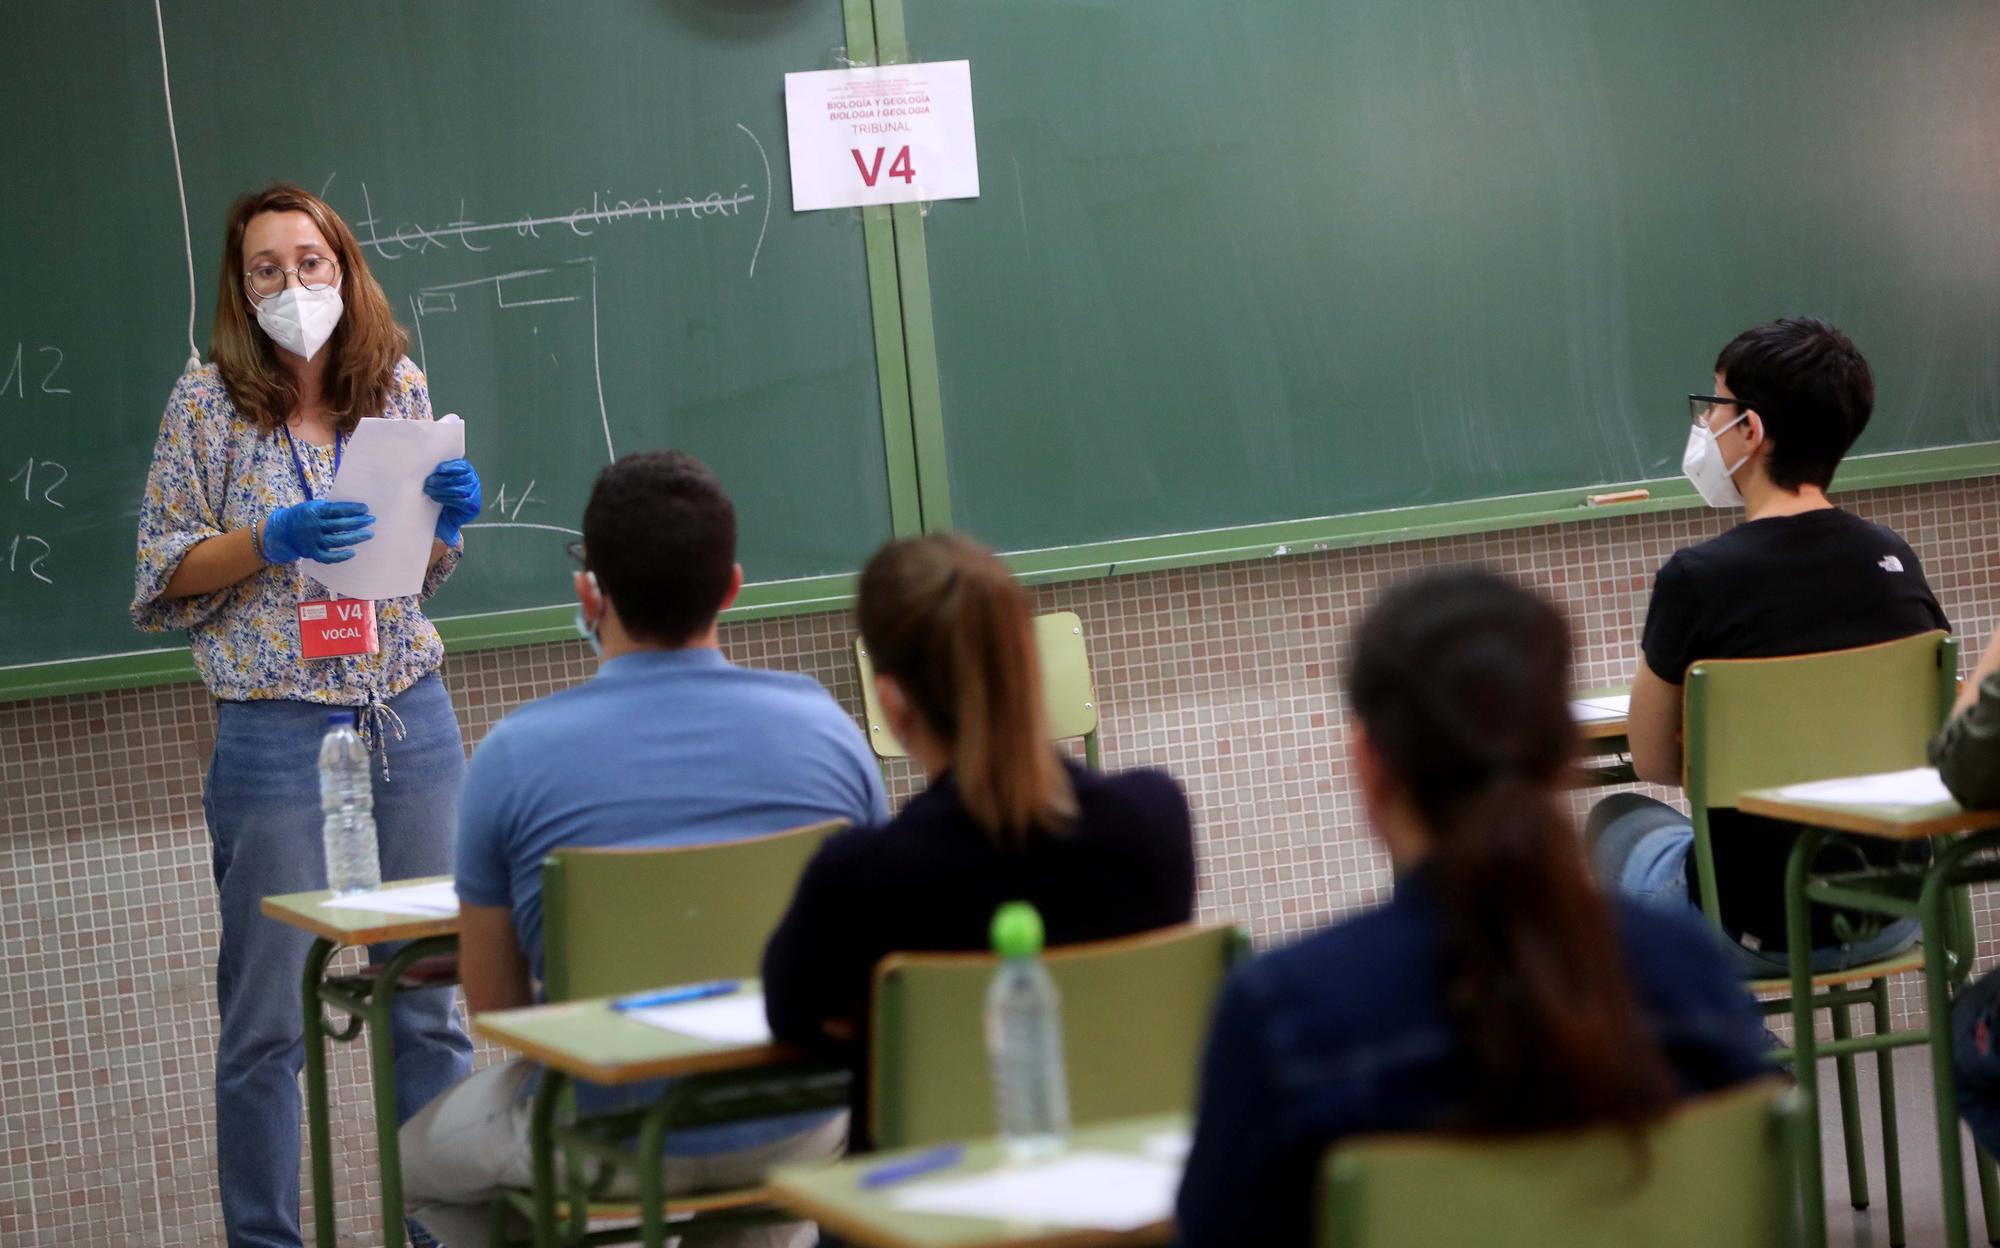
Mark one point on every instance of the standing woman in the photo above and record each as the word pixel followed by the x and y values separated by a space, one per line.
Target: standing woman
pixel 304 347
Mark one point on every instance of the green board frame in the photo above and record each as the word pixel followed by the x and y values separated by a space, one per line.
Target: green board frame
pixel 920 501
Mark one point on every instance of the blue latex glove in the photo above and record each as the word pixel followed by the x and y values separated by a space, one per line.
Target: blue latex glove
pixel 454 484
pixel 316 529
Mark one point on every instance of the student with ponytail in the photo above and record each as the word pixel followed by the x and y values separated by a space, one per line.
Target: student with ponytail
pixel 1498 990
pixel 1006 817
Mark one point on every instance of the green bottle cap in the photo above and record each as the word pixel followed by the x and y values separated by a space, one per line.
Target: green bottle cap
pixel 1017 930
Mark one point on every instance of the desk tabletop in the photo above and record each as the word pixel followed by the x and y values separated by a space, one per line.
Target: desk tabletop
pixel 1603 729
pixel 1895 823
pixel 590 1040
pixel 833 1197
pixel 345 925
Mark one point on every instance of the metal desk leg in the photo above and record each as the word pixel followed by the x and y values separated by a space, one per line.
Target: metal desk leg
pixel 652 1203
pixel 382 1078
pixel 541 1139
pixel 319 1132
pixel 1805 1044
pixel 1937 911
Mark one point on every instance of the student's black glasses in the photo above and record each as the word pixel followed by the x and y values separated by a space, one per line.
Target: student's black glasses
pixel 1700 406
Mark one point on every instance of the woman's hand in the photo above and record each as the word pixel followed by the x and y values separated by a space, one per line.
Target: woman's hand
pixel 455 485
pixel 317 529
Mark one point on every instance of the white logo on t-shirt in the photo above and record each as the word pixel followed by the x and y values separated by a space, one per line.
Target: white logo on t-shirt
pixel 1890 564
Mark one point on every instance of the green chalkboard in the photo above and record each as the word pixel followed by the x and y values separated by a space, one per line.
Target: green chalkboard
pixel 580 212
pixel 1236 264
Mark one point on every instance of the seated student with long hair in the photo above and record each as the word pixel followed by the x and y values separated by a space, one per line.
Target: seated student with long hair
pixel 1498 990
pixel 1005 817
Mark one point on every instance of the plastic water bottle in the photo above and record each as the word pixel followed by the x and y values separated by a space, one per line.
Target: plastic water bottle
pixel 1024 1039
pixel 347 798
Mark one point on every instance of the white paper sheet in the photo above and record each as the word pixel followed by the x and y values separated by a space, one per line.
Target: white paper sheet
pixel 1597 710
pixel 436 899
pixel 1169 1146
pixel 723 1020
pixel 1100 1191
pixel 881 134
pixel 384 465
pixel 1919 786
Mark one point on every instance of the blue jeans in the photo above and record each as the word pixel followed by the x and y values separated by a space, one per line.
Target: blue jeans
pixel 1975 1037
pixel 262 803
pixel 1639 847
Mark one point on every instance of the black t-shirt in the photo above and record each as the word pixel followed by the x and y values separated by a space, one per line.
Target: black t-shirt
pixel 1821 580
pixel 931 878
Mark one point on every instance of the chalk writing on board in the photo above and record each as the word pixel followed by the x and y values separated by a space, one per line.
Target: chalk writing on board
pixel 45 364
pixel 393 242
pixel 46 468
pixel 27 553
pixel 515 290
pixel 510 507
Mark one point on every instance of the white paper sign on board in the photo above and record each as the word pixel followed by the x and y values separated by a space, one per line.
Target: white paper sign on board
pixel 884 134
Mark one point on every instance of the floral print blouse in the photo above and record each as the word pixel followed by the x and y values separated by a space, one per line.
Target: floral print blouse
pixel 214 471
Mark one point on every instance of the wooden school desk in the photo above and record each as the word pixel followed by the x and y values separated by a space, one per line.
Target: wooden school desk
pixel 1607 755
pixel 833 1197
pixel 590 1040
pixel 1935 895
pixel 366 998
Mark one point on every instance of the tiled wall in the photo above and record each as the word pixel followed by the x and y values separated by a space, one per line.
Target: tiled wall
pixel 1224 676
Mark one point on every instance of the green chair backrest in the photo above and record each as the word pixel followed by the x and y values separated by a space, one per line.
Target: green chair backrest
pixel 618 920
pixel 1759 723
pixel 1135 1014
pixel 1717 1174
pixel 1067 696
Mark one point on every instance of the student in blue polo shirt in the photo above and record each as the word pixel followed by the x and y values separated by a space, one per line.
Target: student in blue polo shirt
pixel 669 744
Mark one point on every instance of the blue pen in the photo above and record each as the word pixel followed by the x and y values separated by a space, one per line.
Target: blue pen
pixel 911 1167
pixel 674 996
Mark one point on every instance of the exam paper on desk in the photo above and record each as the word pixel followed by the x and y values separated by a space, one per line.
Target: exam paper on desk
pixel 436 899
pixel 1918 786
pixel 1599 709
pixel 384 465
pixel 1101 1191
pixel 724 1020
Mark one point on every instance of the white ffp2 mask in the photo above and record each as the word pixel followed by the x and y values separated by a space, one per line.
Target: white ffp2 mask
pixel 300 320
pixel 1703 464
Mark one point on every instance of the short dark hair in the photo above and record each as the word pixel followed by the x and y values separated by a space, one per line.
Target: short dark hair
pixel 661 536
pixel 1811 387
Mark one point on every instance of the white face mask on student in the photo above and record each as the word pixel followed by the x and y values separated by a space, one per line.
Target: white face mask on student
pixel 585 627
pixel 301 320
pixel 1703 464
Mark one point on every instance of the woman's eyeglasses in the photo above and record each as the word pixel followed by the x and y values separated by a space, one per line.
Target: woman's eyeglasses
pixel 314 273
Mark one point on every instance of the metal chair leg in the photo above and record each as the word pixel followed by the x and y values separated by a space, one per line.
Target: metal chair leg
pixel 1885 1087
pixel 1989 1193
pixel 1853 1140
pixel 1805 1047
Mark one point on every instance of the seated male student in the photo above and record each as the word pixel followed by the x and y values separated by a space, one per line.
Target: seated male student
pixel 669 744
pixel 1797 576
